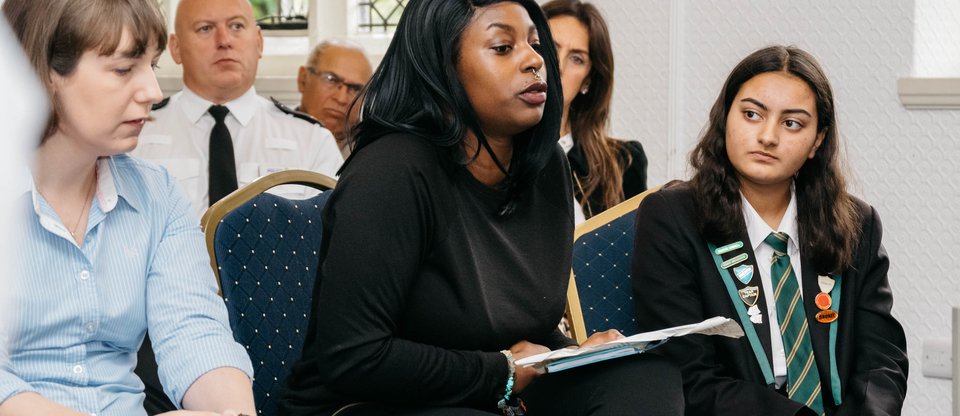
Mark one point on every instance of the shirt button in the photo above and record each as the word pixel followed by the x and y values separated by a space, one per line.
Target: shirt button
pixel 84 275
pixel 89 327
pixel 77 369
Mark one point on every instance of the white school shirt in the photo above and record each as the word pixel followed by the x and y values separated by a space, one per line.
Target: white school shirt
pixel 265 140
pixel 758 230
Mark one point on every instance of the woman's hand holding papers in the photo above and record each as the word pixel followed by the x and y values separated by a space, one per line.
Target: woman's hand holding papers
pixel 524 375
pixel 602 338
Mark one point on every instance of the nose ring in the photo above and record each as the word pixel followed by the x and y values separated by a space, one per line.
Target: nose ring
pixel 536 75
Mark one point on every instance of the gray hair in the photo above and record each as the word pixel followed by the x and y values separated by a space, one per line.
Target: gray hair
pixel 342 43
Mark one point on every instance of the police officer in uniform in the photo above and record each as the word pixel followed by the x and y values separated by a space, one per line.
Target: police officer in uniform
pixel 217 133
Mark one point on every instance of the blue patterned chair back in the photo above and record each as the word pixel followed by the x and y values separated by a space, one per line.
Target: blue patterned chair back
pixel 265 255
pixel 600 295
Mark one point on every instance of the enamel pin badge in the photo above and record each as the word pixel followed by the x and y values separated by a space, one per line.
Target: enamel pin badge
pixel 827 316
pixel 728 248
pixel 824 301
pixel 826 283
pixel 744 273
pixel 749 295
pixel 755 316
pixel 733 261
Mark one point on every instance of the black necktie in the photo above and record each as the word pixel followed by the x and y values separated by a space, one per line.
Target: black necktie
pixel 222 168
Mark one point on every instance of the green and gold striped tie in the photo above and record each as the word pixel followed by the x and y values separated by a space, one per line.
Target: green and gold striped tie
pixel 803 379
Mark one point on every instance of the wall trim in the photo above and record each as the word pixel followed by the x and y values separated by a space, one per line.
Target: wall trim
pixel 929 93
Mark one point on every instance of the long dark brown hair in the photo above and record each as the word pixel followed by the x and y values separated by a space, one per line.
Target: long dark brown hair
pixel 590 113
pixel 827 216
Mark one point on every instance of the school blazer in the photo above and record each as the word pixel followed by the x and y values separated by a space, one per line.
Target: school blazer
pixel 676 282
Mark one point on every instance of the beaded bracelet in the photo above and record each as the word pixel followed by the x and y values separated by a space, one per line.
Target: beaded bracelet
pixel 511 369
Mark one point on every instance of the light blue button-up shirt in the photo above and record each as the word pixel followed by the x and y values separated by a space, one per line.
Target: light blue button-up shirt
pixel 79 314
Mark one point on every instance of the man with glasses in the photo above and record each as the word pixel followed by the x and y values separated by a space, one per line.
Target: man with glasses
pixel 333 76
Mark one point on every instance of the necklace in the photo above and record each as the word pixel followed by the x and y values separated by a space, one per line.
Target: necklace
pixel 86 199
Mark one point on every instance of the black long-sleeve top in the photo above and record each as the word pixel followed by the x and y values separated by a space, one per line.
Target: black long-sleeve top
pixel 421 283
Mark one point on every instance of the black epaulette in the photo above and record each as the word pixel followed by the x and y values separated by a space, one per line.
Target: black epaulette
pixel 298 114
pixel 161 104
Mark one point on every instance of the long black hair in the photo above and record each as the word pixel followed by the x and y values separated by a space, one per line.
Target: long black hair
pixel 827 216
pixel 417 90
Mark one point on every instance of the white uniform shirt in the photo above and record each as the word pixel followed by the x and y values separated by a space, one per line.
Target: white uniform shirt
pixel 758 230
pixel 265 140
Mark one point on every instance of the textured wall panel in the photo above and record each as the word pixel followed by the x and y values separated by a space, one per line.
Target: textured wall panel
pixel 640 97
pixel 903 162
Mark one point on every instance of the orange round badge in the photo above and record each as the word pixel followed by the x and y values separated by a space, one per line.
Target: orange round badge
pixel 823 301
pixel 827 316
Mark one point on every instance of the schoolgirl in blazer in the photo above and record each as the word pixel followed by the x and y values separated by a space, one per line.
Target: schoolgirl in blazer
pixel 766 170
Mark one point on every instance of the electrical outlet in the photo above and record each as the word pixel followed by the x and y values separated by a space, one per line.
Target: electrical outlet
pixel 936 358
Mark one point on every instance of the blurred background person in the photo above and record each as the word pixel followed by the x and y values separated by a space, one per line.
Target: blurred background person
pixel 606 171
pixel 114 247
pixel 333 76
pixel 23 116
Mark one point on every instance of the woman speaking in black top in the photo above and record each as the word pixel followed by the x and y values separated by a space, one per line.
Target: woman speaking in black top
pixel 446 244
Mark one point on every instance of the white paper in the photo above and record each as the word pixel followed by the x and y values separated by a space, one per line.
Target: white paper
pixel 717 325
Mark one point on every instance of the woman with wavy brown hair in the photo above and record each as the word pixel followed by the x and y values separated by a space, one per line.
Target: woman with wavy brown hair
pixel 606 171
pixel 766 233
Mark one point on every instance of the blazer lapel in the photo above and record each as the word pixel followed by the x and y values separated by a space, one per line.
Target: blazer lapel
pixel 819 332
pixel 763 328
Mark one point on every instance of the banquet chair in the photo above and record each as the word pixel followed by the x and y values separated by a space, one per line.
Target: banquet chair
pixel 263 250
pixel 600 296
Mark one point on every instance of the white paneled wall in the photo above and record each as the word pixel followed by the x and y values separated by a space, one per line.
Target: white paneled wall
pixel 672 58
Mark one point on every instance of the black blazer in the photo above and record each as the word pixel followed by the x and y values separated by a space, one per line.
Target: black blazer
pixel 634 163
pixel 676 282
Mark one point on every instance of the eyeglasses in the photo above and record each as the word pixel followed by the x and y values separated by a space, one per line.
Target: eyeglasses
pixel 332 80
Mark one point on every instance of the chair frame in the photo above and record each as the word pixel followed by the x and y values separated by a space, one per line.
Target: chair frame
pixel 574 309
pixel 212 216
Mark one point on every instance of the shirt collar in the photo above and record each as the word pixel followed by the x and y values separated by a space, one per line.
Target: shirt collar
pixel 758 230
pixel 242 108
pixel 113 186
pixel 566 142
pixel 109 188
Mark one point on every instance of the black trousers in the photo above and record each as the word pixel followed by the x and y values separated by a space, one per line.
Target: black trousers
pixel 645 384
pixel 156 401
